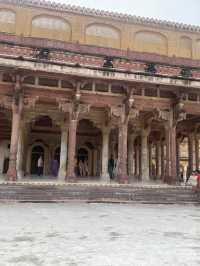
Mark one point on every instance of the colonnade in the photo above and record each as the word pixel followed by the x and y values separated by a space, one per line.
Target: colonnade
pixel 134 153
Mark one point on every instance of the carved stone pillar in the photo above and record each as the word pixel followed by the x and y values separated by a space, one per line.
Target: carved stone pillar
pixel 191 152
pixel 105 153
pixel 178 156
pixel 144 156
pixel 150 160
pixel 171 168
pixel 162 160
pixel 137 159
pixel 21 151
pixel 197 151
pixel 122 153
pixel 16 118
pixel 72 150
pixel 158 159
pixel 63 152
pixel 131 140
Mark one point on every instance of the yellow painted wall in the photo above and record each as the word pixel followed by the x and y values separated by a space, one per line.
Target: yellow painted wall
pixel 91 30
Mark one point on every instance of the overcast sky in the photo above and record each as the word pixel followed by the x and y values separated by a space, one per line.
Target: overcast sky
pixel 186 11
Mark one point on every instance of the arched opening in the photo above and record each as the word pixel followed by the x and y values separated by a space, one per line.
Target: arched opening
pixel 44 138
pixel 88 150
pixel 36 152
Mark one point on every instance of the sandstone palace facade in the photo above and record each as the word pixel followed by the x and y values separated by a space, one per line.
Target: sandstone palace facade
pixel 82 84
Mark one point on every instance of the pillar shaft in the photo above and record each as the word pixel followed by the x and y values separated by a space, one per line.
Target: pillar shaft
pixel 144 156
pixel 197 151
pixel 16 118
pixel 178 156
pixel 105 153
pixel 122 153
pixel 131 155
pixel 72 150
pixel 171 168
pixel 137 159
pixel 162 160
pixel 190 152
pixel 21 150
pixel 158 159
pixel 150 160
pixel 63 152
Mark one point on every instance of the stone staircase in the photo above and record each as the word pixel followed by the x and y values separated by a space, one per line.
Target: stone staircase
pixel 38 192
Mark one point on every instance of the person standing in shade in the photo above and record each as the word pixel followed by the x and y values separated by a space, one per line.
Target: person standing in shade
pixel 111 165
pixel 40 166
pixel 54 167
pixel 81 168
pixel 86 168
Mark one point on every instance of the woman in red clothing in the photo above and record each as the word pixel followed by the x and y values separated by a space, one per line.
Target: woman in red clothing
pixel 198 178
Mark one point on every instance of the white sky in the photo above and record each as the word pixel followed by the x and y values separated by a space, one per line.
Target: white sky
pixel 186 11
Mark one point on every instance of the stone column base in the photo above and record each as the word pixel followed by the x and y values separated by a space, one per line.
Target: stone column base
pixel 20 174
pixel 105 178
pixel 71 179
pixel 61 175
pixel 170 180
pixel 123 179
pixel 12 175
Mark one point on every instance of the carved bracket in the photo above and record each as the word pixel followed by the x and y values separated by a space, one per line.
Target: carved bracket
pixel 160 115
pixel 30 103
pixel 179 112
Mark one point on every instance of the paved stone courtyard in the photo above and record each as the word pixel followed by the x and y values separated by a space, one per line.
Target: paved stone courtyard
pixel 99 235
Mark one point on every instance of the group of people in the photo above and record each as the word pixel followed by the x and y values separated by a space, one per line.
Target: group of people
pixel 195 174
pixel 81 168
pixel 54 167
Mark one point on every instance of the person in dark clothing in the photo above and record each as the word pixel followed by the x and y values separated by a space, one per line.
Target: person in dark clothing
pixel 187 175
pixel 111 165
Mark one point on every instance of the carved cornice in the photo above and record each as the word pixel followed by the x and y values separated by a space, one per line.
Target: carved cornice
pixel 103 14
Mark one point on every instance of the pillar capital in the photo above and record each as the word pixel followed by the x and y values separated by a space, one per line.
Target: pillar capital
pixel 105 129
pixel 132 136
pixel 145 132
